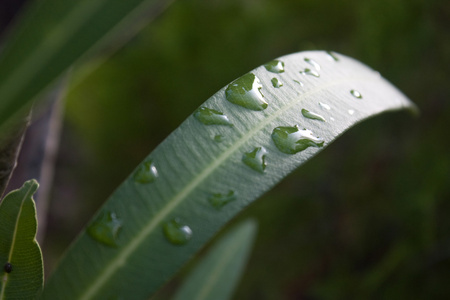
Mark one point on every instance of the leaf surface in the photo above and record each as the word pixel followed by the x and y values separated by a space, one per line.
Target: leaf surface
pixel 21 273
pixel 236 146
pixel 216 275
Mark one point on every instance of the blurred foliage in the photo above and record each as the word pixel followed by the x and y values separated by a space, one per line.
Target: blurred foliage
pixel 366 219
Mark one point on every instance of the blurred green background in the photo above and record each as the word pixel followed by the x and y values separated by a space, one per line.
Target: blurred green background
pixel 368 218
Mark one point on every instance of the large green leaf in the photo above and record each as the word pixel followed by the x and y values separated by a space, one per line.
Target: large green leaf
pixel 53 35
pixel 213 166
pixel 216 275
pixel 21 273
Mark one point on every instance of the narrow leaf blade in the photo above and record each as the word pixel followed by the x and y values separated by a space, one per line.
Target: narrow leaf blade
pixel 217 274
pixel 193 182
pixel 22 274
pixel 52 36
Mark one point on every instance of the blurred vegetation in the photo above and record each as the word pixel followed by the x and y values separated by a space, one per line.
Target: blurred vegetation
pixel 365 219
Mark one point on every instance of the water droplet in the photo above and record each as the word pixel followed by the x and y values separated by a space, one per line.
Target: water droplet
pixel 176 232
pixel 105 229
pixel 310 72
pixel 210 116
pixel 256 159
pixel 356 94
pixel 275 66
pixel 146 173
pixel 292 140
pixel 331 119
pixel 276 83
pixel 351 111
pixel 8 267
pixel 325 106
pixel 218 138
pixel 220 200
pixel 299 82
pixel 310 115
pixel 245 91
pixel 332 56
pixel 313 63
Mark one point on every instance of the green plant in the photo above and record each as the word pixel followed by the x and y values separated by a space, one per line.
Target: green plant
pixel 210 168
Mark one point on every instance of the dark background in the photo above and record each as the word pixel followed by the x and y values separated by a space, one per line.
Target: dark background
pixel 368 218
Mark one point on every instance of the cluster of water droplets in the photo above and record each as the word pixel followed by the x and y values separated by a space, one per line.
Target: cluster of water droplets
pixel 244 92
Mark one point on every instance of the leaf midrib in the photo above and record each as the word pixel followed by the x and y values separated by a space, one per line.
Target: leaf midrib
pixel 121 258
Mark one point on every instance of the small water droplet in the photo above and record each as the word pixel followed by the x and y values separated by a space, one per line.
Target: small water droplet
pixel 245 91
pixel 210 116
pixel 310 115
pixel 276 83
pixel 105 229
pixel 146 173
pixel 313 63
pixel 220 200
pixel 176 232
pixel 275 66
pixel 299 82
pixel 256 159
pixel 218 138
pixel 351 111
pixel 8 267
pixel 310 72
pixel 324 105
pixel 356 94
pixel 331 56
pixel 292 140
pixel 331 119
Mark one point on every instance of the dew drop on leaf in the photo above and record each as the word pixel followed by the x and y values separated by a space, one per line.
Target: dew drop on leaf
pixel 218 138
pixel 310 115
pixel 324 106
pixel 256 159
pixel 356 94
pixel 219 200
pixel 298 82
pixel 146 173
pixel 176 232
pixel 313 63
pixel 210 116
pixel 332 56
pixel 351 111
pixel 105 229
pixel 291 140
pixel 275 66
pixel 276 83
pixel 310 72
pixel 245 91
pixel 8 267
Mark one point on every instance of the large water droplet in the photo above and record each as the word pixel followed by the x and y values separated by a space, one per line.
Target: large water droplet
pixel 292 140
pixel 276 83
pixel 210 116
pixel 313 63
pixel 356 94
pixel 245 91
pixel 332 56
pixel 220 200
pixel 176 232
pixel 310 115
pixel 310 72
pixel 324 105
pixel 256 159
pixel 146 173
pixel 275 66
pixel 105 228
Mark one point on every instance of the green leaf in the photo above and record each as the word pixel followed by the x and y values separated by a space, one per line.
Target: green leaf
pixel 53 35
pixel 197 182
pixel 217 274
pixel 21 273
